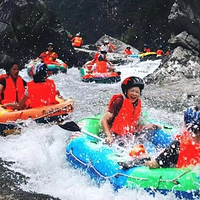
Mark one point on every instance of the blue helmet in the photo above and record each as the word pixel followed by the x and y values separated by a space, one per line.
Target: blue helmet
pixel 145 45
pixel 192 118
pixel 38 68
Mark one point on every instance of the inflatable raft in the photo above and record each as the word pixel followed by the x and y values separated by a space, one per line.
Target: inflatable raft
pixel 53 68
pixel 108 77
pixel 146 56
pixel 104 163
pixel 11 121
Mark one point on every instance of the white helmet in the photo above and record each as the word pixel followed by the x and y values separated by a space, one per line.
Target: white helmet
pixel 103 48
pixel 78 34
pixel 106 41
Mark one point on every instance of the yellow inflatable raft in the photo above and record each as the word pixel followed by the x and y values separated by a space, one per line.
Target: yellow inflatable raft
pixel 10 120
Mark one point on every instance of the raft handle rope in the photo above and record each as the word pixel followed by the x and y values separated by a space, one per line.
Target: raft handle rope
pixel 89 164
pixel 68 108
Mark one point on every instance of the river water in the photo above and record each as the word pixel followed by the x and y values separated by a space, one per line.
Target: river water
pixel 39 151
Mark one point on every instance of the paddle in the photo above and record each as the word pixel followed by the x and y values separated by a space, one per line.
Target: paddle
pixel 72 126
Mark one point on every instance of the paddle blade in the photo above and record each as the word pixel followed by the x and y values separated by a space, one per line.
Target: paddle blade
pixel 70 126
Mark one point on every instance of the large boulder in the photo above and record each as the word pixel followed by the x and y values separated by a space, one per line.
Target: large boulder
pixel 26 26
pixel 87 52
pixel 181 64
pixel 184 61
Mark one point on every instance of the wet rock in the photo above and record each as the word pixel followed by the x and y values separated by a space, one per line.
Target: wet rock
pixel 87 52
pixel 10 182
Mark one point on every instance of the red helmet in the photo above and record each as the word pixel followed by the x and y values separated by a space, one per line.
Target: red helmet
pixel 132 81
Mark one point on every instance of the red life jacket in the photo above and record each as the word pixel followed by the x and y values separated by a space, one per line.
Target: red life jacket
pixel 145 50
pixel 159 52
pixel 101 67
pixel 42 94
pixel 111 47
pixel 126 120
pixel 77 41
pixel 48 57
pixel 127 52
pixel 148 50
pixel 167 53
pixel 189 153
pixel 13 93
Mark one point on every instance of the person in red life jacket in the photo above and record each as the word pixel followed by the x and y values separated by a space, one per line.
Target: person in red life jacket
pixel 184 151
pixel 77 41
pixel 91 65
pixel 127 51
pixel 107 46
pixel 103 53
pixel 40 90
pixel 123 117
pixel 102 65
pixel 167 52
pixel 160 51
pixel 49 56
pixel 146 49
pixel 12 86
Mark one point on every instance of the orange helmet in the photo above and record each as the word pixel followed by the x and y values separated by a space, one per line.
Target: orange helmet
pixel 137 151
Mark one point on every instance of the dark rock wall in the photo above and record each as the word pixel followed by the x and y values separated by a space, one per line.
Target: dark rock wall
pixel 26 26
pixel 184 60
pixel 134 22
pixel 25 29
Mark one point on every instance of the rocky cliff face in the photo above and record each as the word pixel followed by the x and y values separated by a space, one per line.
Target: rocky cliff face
pixel 25 29
pixel 174 23
pixel 184 62
pixel 27 26
pixel 133 22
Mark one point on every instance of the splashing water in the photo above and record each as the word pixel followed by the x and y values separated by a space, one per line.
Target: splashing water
pixel 39 151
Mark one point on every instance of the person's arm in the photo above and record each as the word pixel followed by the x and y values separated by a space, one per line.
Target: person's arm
pixel 143 125
pixel 112 46
pixel 106 127
pixel 113 110
pixel 93 68
pixel 42 55
pixel 1 88
pixel 59 95
pixel 18 106
pixel 109 67
pixel 151 127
